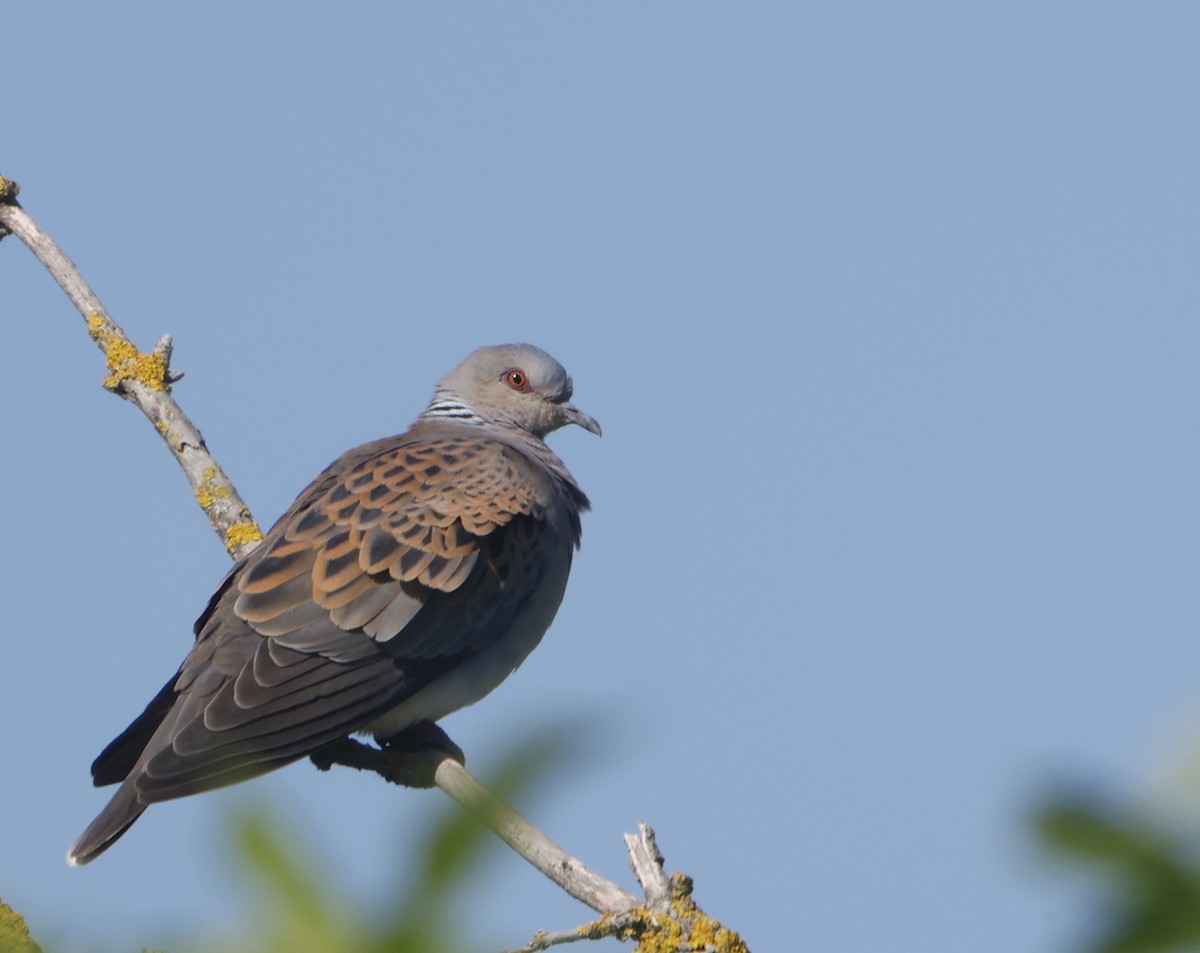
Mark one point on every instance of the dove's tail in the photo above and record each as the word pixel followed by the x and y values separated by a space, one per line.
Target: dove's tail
pixel 116 818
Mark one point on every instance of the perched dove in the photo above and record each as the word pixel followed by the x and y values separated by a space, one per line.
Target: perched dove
pixel 409 579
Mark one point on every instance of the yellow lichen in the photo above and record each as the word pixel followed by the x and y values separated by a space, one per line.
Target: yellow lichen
pixel 686 928
pixel 14 934
pixel 612 924
pixel 210 489
pixel 126 362
pixel 242 534
pixel 705 933
pixel 660 935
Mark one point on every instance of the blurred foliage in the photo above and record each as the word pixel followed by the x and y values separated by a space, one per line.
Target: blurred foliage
pixel 301 910
pixel 14 934
pixel 1147 868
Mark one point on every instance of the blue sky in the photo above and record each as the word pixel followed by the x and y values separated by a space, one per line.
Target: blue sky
pixel 889 312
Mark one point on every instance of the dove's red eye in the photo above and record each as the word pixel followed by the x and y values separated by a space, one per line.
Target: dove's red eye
pixel 516 379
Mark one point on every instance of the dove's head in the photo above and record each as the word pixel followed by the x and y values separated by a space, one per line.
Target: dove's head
pixel 510 385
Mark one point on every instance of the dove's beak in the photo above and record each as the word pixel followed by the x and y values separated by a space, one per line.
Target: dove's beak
pixel 574 415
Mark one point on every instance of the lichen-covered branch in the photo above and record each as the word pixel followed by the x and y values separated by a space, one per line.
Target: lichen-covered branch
pixel 568 872
pixel 667 922
pixel 142 378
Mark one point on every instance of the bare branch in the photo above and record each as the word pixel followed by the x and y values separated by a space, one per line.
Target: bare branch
pixel 543 940
pixel 426 765
pixel 647 863
pixel 583 884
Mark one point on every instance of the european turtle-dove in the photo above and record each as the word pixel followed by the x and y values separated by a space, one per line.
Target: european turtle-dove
pixel 410 578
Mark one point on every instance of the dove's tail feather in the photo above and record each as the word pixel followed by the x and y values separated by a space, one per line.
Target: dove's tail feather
pixel 122 753
pixel 116 818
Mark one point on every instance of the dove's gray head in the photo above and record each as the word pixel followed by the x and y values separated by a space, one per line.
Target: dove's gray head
pixel 510 385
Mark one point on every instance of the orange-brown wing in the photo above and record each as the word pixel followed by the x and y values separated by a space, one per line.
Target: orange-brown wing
pixel 370 548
